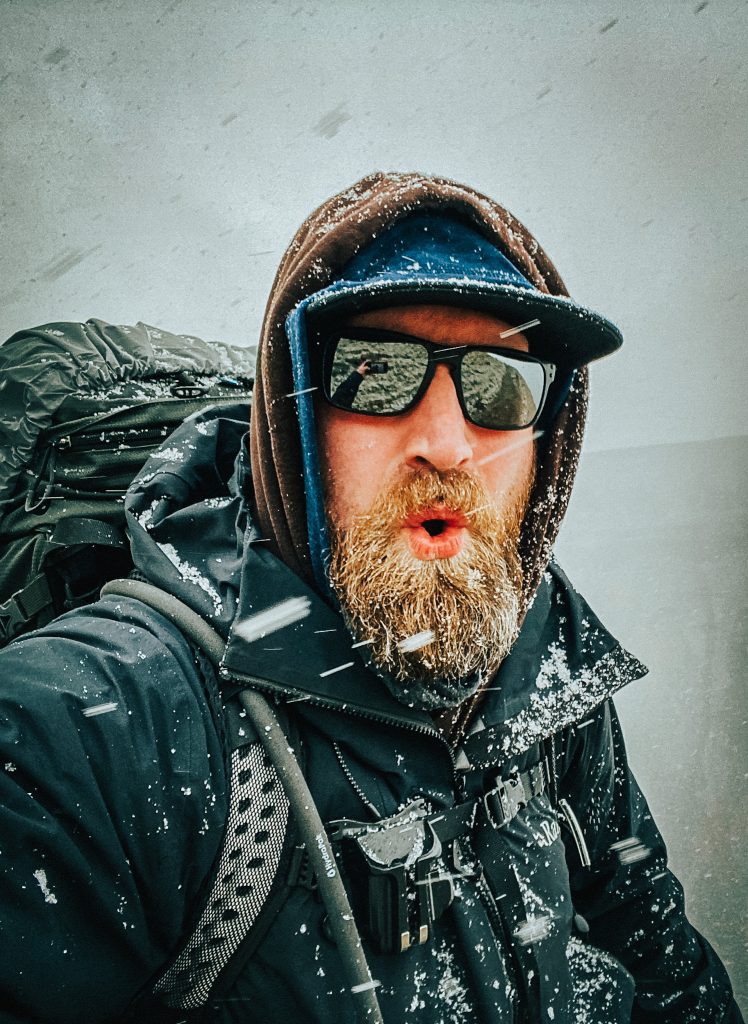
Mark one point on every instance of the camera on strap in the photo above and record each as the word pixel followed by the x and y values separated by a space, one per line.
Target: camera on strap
pixel 402 871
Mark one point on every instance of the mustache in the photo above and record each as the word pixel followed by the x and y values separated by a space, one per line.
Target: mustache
pixel 453 493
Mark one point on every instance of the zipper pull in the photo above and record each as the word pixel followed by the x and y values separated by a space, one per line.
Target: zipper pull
pixel 572 823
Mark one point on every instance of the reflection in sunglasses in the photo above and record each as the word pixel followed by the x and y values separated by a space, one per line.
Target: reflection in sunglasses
pixel 383 374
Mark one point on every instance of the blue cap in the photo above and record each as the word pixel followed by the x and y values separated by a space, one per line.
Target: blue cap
pixel 440 259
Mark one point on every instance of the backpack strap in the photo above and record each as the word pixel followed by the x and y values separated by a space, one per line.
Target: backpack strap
pixel 252 853
pixel 281 757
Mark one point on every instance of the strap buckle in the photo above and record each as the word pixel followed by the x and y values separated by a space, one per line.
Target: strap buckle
pixel 510 795
pixel 504 801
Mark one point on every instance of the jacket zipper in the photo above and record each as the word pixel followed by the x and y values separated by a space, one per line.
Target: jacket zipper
pixel 94 426
pixel 266 686
pixel 102 440
pixel 354 785
pixel 499 929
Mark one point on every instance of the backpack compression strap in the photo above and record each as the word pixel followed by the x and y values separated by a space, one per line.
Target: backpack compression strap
pixel 310 824
pixel 68 574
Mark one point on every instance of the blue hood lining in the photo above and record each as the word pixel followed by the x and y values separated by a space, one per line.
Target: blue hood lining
pixel 319 538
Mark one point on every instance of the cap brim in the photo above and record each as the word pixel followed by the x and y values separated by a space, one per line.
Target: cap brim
pixel 568 334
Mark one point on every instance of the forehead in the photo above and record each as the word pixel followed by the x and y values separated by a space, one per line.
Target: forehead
pixel 442 324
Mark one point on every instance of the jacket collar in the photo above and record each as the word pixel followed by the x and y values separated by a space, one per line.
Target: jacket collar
pixel 563 664
pixel 313 657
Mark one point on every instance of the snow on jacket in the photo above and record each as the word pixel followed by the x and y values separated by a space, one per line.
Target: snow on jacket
pixel 114 799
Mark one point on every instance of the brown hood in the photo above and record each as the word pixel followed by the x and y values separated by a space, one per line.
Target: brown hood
pixel 321 248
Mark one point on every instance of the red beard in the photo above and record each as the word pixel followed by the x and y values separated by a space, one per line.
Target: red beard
pixel 434 554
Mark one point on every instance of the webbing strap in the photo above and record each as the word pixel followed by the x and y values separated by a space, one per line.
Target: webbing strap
pixel 501 803
pixel 24 606
pixel 78 530
pixel 510 795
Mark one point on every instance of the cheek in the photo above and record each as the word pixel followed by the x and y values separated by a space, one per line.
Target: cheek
pixel 509 463
pixel 353 455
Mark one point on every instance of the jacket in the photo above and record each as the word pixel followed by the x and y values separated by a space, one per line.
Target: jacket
pixel 115 794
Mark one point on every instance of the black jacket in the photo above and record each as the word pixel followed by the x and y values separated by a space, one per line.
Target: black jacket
pixel 111 821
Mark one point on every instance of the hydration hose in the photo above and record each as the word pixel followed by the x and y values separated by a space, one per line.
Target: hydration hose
pixel 271 735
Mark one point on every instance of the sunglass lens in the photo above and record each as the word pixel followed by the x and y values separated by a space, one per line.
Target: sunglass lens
pixel 376 377
pixel 501 392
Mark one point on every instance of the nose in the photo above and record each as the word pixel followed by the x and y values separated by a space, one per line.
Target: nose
pixel 438 433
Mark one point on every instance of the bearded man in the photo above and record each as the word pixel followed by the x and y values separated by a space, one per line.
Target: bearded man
pixel 378 560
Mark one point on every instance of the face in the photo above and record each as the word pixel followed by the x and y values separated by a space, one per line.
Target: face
pixel 424 511
pixel 361 454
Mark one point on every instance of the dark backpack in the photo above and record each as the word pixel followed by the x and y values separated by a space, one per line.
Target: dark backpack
pixel 81 408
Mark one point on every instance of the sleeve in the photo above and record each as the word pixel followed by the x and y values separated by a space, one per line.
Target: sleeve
pixel 633 904
pixel 346 392
pixel 112 806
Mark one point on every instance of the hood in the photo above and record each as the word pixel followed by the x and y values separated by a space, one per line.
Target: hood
pixel 187 515
pixel 192 534
pixel 320 273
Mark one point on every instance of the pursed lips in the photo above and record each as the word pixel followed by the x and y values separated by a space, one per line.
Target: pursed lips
pixel 436 532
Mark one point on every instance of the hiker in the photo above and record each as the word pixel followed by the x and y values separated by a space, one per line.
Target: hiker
pixel 378 566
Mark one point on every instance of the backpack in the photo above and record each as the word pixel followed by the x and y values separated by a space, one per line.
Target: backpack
pixel 82 406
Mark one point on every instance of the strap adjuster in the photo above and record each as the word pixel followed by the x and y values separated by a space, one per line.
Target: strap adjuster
pixel 502 803
pixel 509 796
pixel 21 609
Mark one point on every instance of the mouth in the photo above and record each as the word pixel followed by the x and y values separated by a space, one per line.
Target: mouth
pixel 435 532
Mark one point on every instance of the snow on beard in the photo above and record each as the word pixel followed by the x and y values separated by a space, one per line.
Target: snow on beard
pixel 470 601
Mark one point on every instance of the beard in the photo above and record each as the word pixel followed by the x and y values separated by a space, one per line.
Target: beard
pixel 461 614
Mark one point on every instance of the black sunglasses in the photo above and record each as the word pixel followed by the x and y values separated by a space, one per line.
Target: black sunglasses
pixel 384 373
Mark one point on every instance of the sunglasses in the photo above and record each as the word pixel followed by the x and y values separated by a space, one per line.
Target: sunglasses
pixel 384 373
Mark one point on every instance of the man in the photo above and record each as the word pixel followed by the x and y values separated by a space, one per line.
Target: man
pixel 378 558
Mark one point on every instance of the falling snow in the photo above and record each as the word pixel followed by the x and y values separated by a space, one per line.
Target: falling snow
pixel 99 709
pixel 273 618
pixel 416 641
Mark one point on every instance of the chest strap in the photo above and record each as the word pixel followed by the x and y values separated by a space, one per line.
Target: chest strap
pixel 500 805
pixel 502 802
